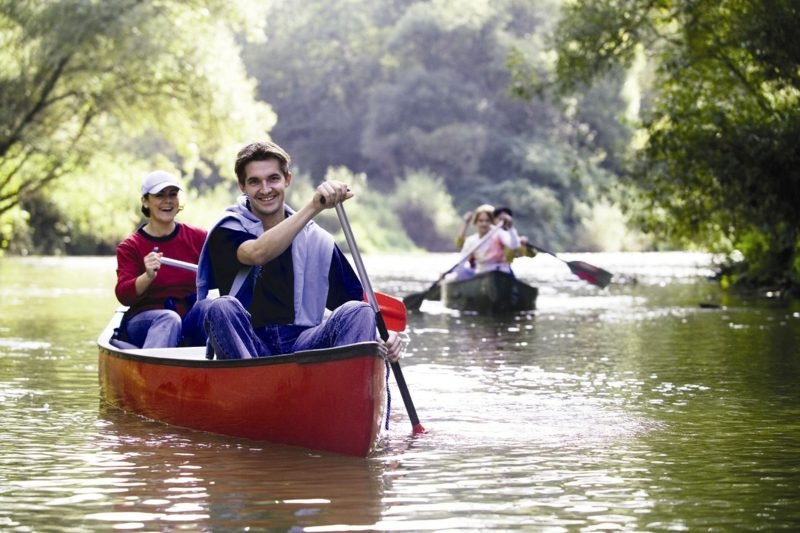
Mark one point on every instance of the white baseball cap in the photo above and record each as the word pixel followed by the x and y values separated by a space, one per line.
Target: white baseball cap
pixel 159 180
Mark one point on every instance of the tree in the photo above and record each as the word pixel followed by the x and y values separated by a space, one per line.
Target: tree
pixel 315 69
pixel 720 165
pixel 444 106
pixel 145 79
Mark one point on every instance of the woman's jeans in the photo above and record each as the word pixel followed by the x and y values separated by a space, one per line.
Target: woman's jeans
pixel 163 328
pixel 232 336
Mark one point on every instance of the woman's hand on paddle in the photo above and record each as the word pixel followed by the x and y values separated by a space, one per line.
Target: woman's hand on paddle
pixel 394 347
pixel 330 193
pixel 152 262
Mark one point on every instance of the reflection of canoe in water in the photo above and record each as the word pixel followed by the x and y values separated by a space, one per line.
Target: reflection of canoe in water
pixel 491 292
pixel 331 400
pixel 230 481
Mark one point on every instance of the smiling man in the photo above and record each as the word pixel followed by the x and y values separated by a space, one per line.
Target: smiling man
pixel 277 270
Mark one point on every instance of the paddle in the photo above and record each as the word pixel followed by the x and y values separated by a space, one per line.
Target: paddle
pixel 393 310
pixel 414 300
pixel 373 301
pixel 585 271
pixel 178 264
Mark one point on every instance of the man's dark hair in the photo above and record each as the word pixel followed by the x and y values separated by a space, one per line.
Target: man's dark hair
pixel 261 151
pixel 499 210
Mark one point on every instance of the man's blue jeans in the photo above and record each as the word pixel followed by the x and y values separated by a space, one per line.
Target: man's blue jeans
pixel 232 336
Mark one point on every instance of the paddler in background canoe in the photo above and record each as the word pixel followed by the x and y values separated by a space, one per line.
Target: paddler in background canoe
pixel 491 255
pixel 504 214
pixel 277 270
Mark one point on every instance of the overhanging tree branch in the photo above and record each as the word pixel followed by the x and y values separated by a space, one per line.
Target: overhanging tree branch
pixel 38 106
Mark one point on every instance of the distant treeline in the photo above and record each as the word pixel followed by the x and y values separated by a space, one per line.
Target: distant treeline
pixel 415 97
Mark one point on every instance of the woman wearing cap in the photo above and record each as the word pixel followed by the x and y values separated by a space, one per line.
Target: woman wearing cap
pixel 490 255
pixel 160 298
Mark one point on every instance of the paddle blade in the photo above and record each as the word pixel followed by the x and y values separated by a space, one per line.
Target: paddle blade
pixel 414 301
pixel 393 311
pixel 592 274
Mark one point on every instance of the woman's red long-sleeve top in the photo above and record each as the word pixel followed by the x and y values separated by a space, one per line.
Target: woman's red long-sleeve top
pixel 173 283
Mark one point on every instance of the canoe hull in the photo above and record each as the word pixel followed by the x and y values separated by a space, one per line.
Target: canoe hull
pixel 330 400
pixel 489 293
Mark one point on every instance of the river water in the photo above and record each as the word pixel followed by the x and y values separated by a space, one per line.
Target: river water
pixel 657 404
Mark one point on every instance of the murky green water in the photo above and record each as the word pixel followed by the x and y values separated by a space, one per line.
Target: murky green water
pixel 628 409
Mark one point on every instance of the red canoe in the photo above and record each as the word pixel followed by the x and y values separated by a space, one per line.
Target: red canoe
pixel 331 400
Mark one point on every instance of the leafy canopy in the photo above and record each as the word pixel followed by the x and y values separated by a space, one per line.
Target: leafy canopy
pixel 144 82
pixel 719 162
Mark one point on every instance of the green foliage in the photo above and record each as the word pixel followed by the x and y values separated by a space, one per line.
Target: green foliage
pixel 314 70
pixel 425 210
pixel 375 225
pixel 425 121
pixel 374 221
pixel 720 165
pixel 415 94
pixel 769 271
pixel 142 82
pixel 604 227
pixel 411 91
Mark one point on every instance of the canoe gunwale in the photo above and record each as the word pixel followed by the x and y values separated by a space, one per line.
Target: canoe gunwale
pixel 195 356
pixel 303 357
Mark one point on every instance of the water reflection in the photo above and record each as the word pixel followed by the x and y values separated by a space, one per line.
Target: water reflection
pixel 613 411
pixel 633 408
pixel 157 475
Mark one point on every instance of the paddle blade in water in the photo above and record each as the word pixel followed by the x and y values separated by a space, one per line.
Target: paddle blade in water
pixel 592 274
